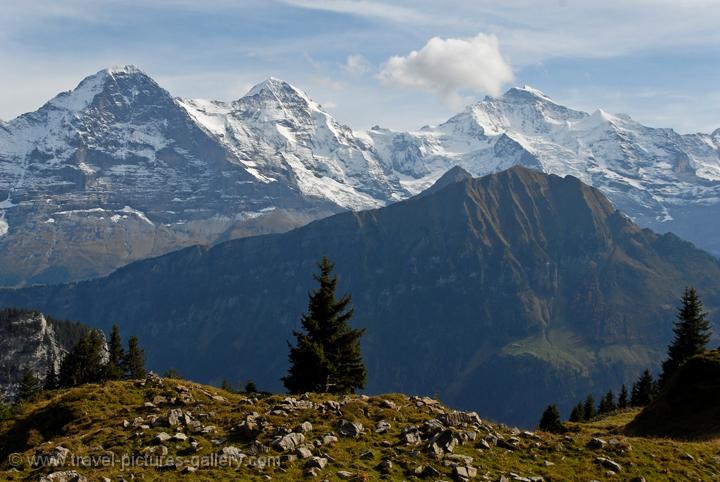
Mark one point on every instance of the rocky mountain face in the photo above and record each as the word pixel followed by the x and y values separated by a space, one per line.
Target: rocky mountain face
pixel 118 170
pixel 30 340
pixel 503 293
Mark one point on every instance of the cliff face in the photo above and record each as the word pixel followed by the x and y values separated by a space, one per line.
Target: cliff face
pixel 29 340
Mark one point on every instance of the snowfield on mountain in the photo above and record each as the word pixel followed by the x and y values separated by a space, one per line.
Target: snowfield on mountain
pixel 118 169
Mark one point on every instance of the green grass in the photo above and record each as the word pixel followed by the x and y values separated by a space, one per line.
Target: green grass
pixel 88 420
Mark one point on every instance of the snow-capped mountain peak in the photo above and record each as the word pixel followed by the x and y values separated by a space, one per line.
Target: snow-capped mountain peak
pixel 119 139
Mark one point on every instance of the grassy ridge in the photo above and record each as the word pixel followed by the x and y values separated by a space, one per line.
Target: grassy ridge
pixel 93 420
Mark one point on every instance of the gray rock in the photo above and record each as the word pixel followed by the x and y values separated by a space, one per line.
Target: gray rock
pixel 350 429
pixel 328 439
pixel 64 476
pixel 367 455
pixel 385 466
pixel 596 443
pixel 232 453
pixel 316 462
pixel 303 453
pixel 608 464
pixel 466 472
pixel 304 427
pixel 163 437
pixel 382 427
pixel 288 442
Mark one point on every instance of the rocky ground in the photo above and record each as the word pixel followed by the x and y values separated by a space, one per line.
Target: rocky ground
pixel 168 429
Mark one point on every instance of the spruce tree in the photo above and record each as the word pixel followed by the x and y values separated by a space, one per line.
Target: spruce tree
pixel 643 390
pixel 250 387
pixel 692 334
pixel 577 413
pixel 51 376
pixel 550 420
pixel 623 400
pixel 607 403
pixel 116 358
pixel 28 387
pixel 589 411
pixel 84 363
pixel 225 385
pixel 135 359
pixel 327 355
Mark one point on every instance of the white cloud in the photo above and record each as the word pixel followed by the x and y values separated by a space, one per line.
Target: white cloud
pixel 449 66
pixel 356 64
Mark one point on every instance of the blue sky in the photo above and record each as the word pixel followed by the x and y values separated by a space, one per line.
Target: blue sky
pixel 656 60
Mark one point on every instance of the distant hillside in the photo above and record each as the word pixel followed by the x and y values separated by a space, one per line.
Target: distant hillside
pixel 501 294
pixel 183 431
pixel 689 406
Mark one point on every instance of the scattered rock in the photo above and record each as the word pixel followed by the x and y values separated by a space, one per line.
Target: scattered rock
pixel 385 466
pixel 288 442
pixel 316 462
pixel 304 427
pixel 483 444
pixel 596 443
pixel 56 457
pixel 382 427
pixel 303 453
pixel 608 464
pixel 232 453
pixel 367 455
pixel 344 474
pixel 427 471
pixel 163 437
pixel 65 476
pixel 328 439
pixel 458 419
pixel 157 450
pixel 465 472
pixel 350 429
pixel 687 456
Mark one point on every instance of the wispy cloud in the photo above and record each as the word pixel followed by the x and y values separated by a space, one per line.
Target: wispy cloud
pixel 381 10
pixel 357 64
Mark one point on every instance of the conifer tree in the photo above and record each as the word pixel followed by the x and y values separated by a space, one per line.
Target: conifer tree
pixel 135 359
pixel 225 385
pixel 116 358
pixel 29 385
pixel 623 400
pixel 643 390
pixel 550 420
pixel 589 411
pixel 250 387
pixel 327 355
pixel 84 363
pixel 577 413
pixel 607 403
pixel 51 376
pixel 692 334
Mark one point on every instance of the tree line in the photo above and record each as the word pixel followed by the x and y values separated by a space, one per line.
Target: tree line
pixel 691 330
pixel 325 358
pixel 88 362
